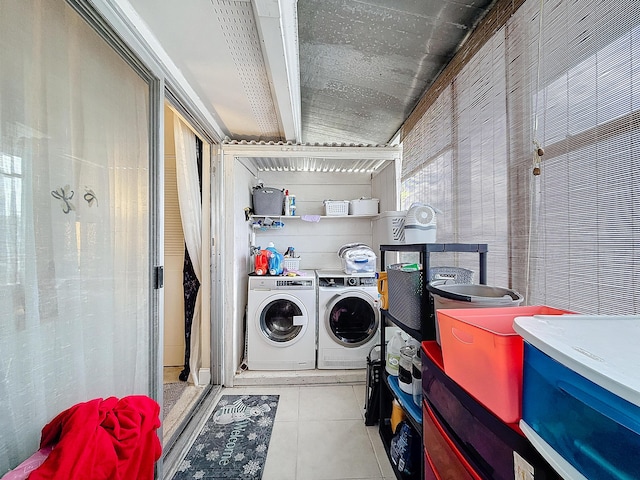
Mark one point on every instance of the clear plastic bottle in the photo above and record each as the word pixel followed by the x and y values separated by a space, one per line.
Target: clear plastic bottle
pixel 393 353
pixel 416 375
pixel 404 368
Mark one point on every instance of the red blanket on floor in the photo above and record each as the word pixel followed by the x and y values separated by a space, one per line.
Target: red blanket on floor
pixel 106 439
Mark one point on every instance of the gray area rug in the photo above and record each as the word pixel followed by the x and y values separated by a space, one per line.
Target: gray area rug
pixel 170 396
pixel 234 441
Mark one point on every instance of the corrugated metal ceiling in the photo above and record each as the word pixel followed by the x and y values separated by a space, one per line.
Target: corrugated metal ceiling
pixel 315 164
pixel 364 64
pixel 334 158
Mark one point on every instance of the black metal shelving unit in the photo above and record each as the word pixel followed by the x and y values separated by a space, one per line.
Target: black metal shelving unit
pixel 389 389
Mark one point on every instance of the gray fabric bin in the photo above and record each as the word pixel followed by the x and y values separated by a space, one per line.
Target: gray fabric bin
pixel 268 201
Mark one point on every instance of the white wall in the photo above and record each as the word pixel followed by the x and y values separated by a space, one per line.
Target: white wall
pixel 385 186
pixel 241 182
pixel 318 243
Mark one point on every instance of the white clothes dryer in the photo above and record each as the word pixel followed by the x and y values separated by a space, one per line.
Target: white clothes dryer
pixel 281 322
pixel 348 319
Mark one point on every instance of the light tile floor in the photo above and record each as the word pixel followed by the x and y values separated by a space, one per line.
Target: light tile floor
pixel 319 434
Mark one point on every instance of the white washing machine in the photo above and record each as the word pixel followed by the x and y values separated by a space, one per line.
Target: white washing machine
pixel 348 319
pixel 281 322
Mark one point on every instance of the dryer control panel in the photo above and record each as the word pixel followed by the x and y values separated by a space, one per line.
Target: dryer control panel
pixel 343 280
pixel 279 282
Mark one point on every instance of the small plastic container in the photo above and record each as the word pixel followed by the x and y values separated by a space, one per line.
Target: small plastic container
pixel 357 258
pixel 275 260
pixel 289 205
pixel 261 263
pixel 364 206
pixel 416 379
pixel 483 353
pixel 359 264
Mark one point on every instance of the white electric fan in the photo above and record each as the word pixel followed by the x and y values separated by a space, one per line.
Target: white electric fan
pixel 420 224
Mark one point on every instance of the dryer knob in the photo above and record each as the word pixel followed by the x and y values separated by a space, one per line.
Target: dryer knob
pixel 352 281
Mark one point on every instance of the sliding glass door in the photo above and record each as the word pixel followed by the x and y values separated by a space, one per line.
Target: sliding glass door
pixel 78 311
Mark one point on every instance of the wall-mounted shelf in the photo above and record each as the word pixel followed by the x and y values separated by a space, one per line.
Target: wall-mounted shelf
pixel 279 220
pixel 299 217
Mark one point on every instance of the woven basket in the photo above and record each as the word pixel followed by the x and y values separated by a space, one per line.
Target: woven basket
pixel 406 291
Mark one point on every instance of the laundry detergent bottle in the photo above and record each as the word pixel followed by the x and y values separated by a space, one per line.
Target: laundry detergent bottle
pixel 393 353
pixel 261 266
pixel 276 260
pixel 383 290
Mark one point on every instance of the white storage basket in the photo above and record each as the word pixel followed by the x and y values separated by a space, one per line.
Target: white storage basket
pixel 336 208
pixel 364 206
pixel 291 263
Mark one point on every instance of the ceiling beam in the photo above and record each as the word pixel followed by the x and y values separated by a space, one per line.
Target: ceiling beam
pixel 277 25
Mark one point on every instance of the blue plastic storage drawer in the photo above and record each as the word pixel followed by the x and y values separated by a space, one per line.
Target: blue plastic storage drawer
pixel 495 450
pixel 594 430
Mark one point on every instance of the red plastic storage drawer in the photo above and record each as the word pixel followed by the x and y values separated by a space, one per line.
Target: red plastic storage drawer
pixel 483 354
pixel 447 460
pixel 429 474
pixel 494 449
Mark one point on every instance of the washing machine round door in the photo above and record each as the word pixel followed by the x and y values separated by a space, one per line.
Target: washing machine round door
pixel 282 320
pixel 352 318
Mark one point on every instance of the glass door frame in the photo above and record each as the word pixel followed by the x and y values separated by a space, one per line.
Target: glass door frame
pixel 122 31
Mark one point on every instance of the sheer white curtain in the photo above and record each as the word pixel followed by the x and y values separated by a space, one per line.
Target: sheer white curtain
pixel 74 222
pixel 191 213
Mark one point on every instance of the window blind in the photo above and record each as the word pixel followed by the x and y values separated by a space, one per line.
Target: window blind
pixel 455 160
pixel 567 237
pixel 585 206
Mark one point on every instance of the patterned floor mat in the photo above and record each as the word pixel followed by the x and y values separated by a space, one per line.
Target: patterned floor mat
pixel 233 443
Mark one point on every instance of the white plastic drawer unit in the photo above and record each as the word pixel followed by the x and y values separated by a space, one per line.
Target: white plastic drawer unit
pixel 581 393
